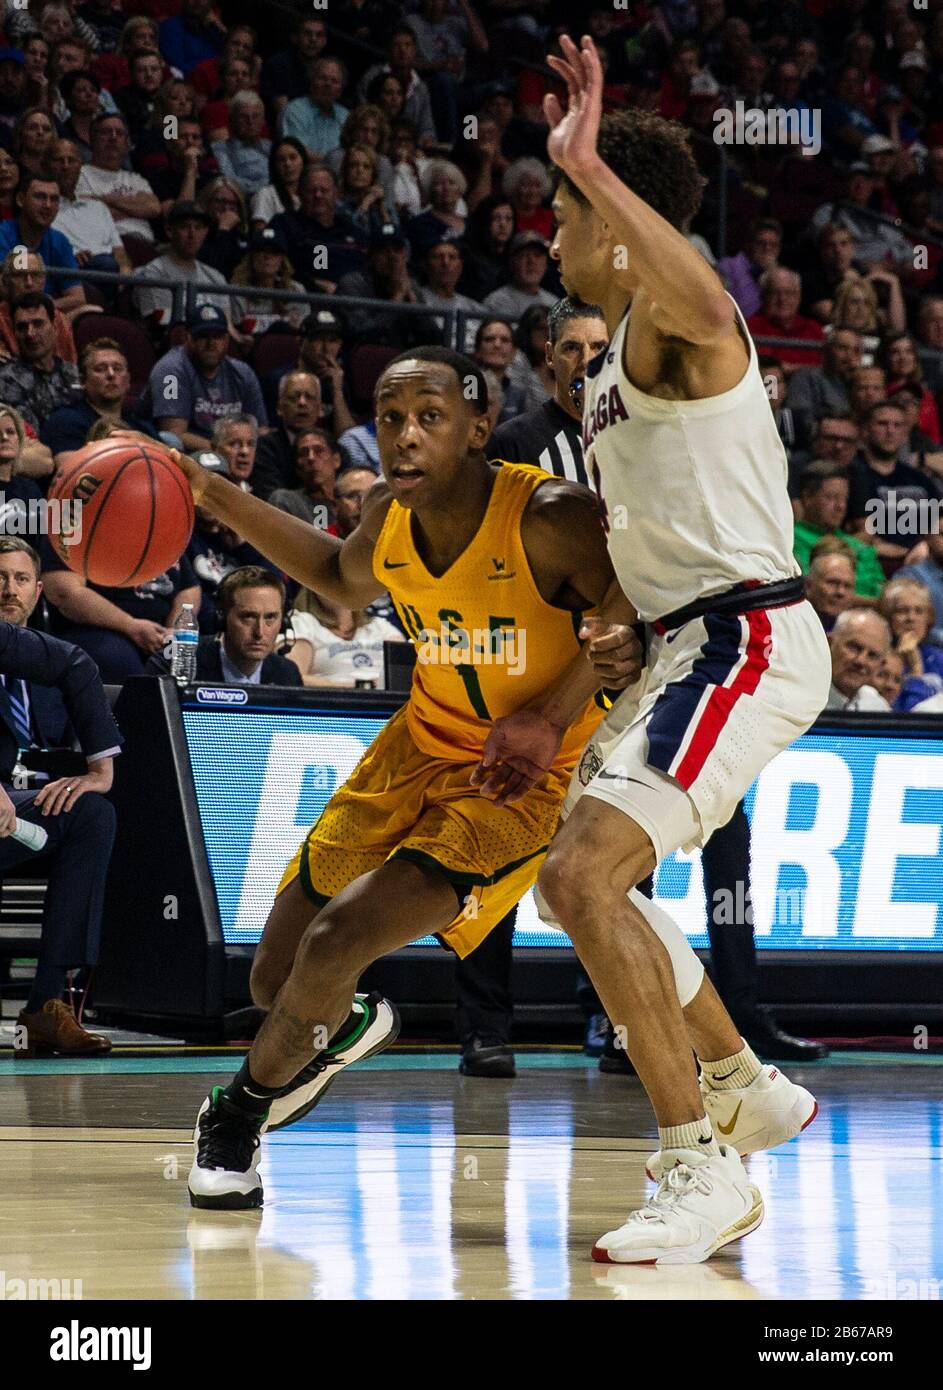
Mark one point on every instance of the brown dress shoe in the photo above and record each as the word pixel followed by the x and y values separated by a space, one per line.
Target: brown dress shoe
pixel 56 1029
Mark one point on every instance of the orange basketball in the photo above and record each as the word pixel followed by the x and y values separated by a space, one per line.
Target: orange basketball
pixel 129 514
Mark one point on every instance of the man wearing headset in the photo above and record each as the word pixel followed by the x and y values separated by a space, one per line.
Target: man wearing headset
pixel 252 623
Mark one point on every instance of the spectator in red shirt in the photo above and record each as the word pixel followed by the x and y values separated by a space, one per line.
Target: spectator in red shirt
pixel 526 183
pixel 779 317
pixel 899 359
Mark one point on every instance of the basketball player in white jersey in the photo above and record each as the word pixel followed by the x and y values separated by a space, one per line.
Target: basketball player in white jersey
pixel 682 448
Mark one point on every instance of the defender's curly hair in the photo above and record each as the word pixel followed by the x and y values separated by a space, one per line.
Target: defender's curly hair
pixel 653 157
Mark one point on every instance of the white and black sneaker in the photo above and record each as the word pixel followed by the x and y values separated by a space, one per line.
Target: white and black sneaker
pixel 227 1152
pixel 376 1029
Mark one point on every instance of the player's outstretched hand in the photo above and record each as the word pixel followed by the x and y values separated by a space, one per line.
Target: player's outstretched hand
pixel 519 750
pixel 615 651
pixel 571 143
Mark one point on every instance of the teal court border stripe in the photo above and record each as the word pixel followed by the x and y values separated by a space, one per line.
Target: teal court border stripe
pixel 442 1061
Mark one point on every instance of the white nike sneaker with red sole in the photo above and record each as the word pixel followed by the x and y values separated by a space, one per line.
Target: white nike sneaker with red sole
pixel 763 1115
pixel 702 1203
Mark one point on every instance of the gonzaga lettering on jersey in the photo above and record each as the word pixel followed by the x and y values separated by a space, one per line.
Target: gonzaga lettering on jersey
pixel 693 493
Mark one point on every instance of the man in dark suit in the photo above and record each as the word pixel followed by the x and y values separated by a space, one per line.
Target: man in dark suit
pixel 50 692
pixel 299 409
pixel 251 604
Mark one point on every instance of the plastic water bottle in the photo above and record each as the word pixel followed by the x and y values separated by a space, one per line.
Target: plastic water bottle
pixel 32 836
pixel 184 645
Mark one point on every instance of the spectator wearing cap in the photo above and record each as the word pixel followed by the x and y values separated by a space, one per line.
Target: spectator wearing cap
pixel 106 384
pixel 37 201
pixel 129 197
pixel 86 223
pixel 245 154
pixel 875 242
pixel 13 87
pixel 741 273
pixel 387 277
pixel 880 154
pixel 265 267
pixel 443 187
pixel 299 409
pixel 859 640
pixel 317 460
pixel 191 36
pixel 38 380
pixel 823 495
pixel 187 228
pixel 817 391
pixel 907 604
pixel 443 265
pixel 318 118
pixel 528 258
pixel 193 386
pixel 402 55
pixel 779 317
pixel 323 243
pixel 321 353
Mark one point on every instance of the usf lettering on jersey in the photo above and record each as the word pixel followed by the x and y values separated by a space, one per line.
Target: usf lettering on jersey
pixel 487 642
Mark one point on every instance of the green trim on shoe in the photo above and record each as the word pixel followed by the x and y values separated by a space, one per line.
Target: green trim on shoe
pixel 356 1032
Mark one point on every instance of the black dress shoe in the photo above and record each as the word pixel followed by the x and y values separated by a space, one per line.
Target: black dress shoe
pixel 773 1044
pixel 486 1058
pixel 615 1060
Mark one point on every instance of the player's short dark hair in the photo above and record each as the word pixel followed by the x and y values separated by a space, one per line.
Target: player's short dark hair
pixel 817 473
pixel 34 299
pixel 10 545
pixel 653 157
pixel 570 307
pixel 247 577
pixel 463 367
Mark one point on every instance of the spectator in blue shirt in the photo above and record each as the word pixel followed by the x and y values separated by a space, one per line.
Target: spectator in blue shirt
pixel 245 155
pixel 193 386
pixel 38 201
pixel 908 607
pixel 191 36
pixel 318 119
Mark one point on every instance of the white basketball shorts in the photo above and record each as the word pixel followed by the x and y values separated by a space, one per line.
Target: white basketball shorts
pixel 721 696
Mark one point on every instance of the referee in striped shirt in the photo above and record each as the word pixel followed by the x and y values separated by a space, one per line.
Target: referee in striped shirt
pixel 550 436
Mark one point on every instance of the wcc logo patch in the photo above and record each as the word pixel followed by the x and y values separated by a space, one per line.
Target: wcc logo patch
pixel 500 570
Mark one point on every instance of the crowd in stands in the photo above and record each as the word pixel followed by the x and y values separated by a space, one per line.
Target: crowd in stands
pixel 397 153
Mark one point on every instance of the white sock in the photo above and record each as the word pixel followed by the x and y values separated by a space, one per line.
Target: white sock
pixel 697 1135
pixel 731 1073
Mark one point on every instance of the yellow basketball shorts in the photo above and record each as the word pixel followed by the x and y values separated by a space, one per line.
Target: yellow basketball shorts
pixel 399 803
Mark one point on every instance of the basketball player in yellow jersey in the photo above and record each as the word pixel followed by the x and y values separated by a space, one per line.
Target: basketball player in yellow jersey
pixel 490 568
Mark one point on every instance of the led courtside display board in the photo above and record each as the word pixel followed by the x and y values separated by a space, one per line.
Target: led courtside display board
pixel 846 828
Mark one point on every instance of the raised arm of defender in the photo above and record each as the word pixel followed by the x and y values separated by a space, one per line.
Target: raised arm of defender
pixel 688 299
pixel 340 570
